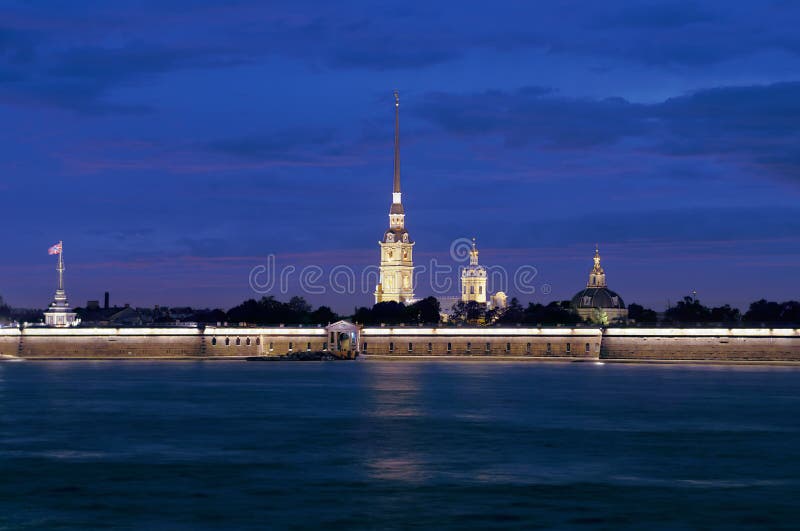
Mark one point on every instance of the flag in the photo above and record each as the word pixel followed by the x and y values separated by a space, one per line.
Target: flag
pixel 56 249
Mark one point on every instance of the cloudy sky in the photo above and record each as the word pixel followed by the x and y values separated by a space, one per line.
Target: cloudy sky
pixel 174 145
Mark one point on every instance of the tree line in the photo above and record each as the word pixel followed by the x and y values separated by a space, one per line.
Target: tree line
pixel 427 311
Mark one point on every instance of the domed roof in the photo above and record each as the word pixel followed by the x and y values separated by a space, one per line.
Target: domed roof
pixel 396 235
pixel 597 298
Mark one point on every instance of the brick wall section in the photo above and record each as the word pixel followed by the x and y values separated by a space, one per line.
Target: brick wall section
pixel 715 348
pixel 110 346
pixel 499 342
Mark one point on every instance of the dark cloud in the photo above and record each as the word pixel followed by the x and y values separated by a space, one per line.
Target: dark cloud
pixel 755 125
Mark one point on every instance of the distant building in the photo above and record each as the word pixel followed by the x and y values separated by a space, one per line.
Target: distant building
pixel 397 266
pixel 596 302
pixel 473 279
pixel 59 312
pixel 499 301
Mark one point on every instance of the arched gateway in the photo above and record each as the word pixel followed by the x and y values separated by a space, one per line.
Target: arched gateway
pixel 344 338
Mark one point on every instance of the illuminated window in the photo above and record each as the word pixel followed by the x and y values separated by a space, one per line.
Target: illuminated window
pixel 271 346
pixel 291 346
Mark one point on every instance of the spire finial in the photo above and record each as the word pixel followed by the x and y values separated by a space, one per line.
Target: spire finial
pixel 396 188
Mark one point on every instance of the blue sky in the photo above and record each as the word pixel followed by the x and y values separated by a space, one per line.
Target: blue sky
pixel 173 145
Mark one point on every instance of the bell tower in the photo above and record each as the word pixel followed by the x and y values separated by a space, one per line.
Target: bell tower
pixel 397 266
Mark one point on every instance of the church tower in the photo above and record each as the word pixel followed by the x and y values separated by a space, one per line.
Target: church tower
pixel 473 279
pixel 397 266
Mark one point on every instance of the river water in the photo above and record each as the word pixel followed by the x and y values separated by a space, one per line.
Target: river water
pixel 397 445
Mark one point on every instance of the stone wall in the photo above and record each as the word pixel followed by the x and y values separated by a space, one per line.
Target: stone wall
pixel 662 344
pixel 240 341
pixel 110 343
pixel 702 344
pixel 492 342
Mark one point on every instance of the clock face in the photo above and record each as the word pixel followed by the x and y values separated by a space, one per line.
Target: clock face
pixel 389 253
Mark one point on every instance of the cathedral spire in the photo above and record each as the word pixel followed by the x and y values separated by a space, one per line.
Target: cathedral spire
pixel 396 188
pixel 597 277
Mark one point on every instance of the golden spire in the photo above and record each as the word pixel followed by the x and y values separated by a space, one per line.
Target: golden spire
pixel 396 142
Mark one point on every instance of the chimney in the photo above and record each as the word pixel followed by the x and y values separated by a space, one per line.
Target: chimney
pixel 106 302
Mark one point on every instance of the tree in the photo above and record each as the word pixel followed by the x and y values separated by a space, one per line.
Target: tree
pixel 640 314
pixel 513 314
pixel 556 312
pixel 425 311
pixel 725 314
pixel 689 310
pixel 468 312
pixel 763 311
pixel 5 311
pixel 323 315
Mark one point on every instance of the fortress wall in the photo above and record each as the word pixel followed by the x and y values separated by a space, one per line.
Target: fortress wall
pixel 110 343
pixel 9 341
pixel 702 345
pixel 233 341
pixel 515 342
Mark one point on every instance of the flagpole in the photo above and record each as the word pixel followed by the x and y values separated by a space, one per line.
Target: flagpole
pixel 61 266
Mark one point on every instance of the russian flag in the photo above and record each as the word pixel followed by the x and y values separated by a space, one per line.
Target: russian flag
pixel 56 249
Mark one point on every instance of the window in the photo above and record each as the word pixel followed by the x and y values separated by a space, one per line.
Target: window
pixel 549 348
pixel 364 347
pixel 405 238
pixel 528 348
pixel 271 346
pixel 291 346
pixel 569 348
pixel 469 347
pixel 449 347
pixel 247 341
pixel 508 347
pixel 464 289
pixel 214 341
pixel 430 347
pixel 238 341
pixel 411 347
pixel 472 290
pixel 308 347
pixel 258 341
pixel 227 341
pixel 480 290
pixel 391 346
pixel 488 347
pixel 588 348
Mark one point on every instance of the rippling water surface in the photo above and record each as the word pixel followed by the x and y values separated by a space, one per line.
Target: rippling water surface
pixel 181 445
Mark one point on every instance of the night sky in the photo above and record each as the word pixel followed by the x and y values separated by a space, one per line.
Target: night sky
pixel 173 145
